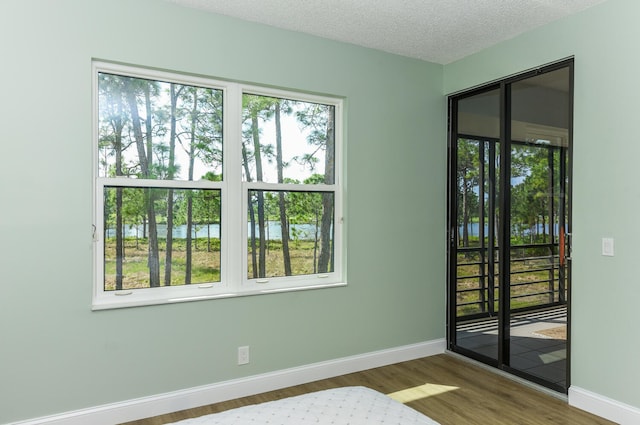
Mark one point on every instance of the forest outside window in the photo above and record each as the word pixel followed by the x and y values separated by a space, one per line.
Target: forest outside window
pixel 209 189
pixel 289 168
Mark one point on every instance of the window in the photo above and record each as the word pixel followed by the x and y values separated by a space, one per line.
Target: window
pixel 210 189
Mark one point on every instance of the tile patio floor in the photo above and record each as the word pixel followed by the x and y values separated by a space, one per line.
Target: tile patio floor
pixel 531 352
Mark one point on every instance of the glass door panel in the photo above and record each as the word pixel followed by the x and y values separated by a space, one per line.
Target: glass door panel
pixel 476 283
pixel 539 142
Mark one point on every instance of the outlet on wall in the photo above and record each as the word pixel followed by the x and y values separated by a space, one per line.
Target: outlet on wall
pixel 243 355
pixel 607 247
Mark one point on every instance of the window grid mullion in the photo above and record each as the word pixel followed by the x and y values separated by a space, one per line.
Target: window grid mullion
pixel 288 187
pixel 233 194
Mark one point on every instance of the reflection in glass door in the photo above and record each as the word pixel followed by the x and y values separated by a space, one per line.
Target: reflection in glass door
pixel 509 223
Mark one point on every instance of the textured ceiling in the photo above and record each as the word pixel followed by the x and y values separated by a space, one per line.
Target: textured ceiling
pixel 439 31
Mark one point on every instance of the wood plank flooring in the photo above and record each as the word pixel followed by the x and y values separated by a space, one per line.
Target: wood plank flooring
pixel 443 387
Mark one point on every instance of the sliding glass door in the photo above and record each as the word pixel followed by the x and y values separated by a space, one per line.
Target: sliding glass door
pixel 473 236
pixel 509 224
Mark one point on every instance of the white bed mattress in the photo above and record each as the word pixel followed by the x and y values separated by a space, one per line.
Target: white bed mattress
pixel 340 406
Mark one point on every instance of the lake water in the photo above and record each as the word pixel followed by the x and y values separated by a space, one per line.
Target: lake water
pixel 274 231
pixel 474 229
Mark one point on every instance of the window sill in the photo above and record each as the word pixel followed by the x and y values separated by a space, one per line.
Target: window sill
pixel 173 295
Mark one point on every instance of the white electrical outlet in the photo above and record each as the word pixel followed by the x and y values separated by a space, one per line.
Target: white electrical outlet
pixel 243 355
pixel 607 247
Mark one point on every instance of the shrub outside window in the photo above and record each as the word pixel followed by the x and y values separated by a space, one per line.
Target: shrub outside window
pixel 177 161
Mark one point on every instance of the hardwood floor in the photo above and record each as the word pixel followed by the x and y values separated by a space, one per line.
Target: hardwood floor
pixel 443 387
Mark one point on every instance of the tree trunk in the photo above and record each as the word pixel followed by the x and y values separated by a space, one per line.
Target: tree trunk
pixel 192 154
pixel 154 250
pixel 465 213
pixel 252 218
pixel 118 124
pixel 144 227
pixel 284 225
pixel 137 236
pixel 325 261
pixel 153 256
pixel 256 145
pixel 168 255
pixel 119 239
pixel 315 243
pixel 189 249
pixel 170 174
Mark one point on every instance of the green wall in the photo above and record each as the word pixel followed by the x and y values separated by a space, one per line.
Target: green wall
pixel 56 355
pixel 606 195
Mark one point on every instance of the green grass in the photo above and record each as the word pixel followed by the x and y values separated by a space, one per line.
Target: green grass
pixel 300 252
pixel 205 264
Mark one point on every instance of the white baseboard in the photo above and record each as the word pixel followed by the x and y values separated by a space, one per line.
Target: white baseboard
pixel 604 407
pixel 160 404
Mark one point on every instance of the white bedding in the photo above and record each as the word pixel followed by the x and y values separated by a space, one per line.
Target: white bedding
pixel 340 406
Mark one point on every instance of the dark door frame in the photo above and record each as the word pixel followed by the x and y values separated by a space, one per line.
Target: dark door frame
pixel 504 243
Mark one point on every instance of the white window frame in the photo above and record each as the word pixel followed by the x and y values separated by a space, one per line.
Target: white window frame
pixel 234 280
